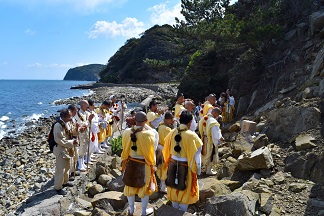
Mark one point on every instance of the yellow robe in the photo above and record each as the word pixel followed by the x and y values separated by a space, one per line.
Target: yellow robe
pixel 104 133
pixel 207 106
pixel 211 122
pixel 178 108
pixel 162 170
pixel 145 148
pixel 190 143
pixel 151 116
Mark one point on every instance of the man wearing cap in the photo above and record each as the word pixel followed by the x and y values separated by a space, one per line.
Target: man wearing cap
pixel 179 105
pixel 181 153
pixel 138 160
pixel 214 138
pixel 154 116
pixel 163 129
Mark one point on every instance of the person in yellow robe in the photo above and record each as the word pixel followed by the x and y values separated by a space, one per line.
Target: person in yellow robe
pixel 179 105
pixel 154 115
pixel 183 151
pixel 163 130
pixel 214 138
pixel 141 150
pixel 208 105
pixel 102 112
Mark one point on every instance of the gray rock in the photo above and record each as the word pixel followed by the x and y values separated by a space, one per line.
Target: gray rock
pixel 116 173
pixel 260 141
pixel 297 187
pixel 258 159
pixel 228 168
pixel 282 121
pixel 210 187
pixel 306 165
pixel 316 21
pixel 279 178
pixel 101 168
pixel 116 199
pixel 101 212
pixel 266 203
pixel 116 185
pixel 167 210
pixel 104 179
pixel 82 213
pixel 321 87
pixel 304 142
pixel 237 203
pixel 83 203
pixel 95 189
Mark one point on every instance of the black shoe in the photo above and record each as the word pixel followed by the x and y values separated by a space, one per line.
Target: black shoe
pixel 61 192
pixel 71 178
pixel 68 184
pixel 77 173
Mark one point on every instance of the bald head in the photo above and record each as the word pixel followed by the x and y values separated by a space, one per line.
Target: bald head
pixel 211 98
pixel 216 112
pixel 84 105
pixel 189 105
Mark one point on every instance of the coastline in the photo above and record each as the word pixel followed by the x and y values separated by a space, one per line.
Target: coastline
pixel 27 166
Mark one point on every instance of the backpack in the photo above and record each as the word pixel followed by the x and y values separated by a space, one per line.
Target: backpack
pixel 50 138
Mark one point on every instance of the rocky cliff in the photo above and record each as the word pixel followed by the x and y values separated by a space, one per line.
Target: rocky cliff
pixel 85 73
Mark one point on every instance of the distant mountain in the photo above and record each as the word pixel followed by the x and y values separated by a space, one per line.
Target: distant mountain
pixel 154 57
pixel 85 73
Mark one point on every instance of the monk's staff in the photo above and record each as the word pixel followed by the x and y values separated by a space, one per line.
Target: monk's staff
pixel 88 157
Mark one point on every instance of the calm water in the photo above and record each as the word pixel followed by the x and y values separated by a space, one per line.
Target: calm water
pixel 26 100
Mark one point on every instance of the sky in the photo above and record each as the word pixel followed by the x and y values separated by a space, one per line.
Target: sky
pixel 43 39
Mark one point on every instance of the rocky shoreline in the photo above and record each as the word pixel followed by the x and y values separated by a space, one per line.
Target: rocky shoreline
pixel 27 167
pixel 257 175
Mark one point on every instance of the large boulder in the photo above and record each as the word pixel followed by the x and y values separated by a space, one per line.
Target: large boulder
pixel 258 159
pixel 117 184
pixel 237 203
pixel 116 199
pixel 228 168
pixel 316 21
pixel 210 187
pixel 285 123
pixel 95 189
pixel 104 179
pixel 306 165
pixel 318 64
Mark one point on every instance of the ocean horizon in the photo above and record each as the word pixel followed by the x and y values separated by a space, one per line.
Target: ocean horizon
pixel 24 101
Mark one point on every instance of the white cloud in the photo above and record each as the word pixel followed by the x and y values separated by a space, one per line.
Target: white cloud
pixel 54 65
pixel 30 32
pixel 129 27
pixel 161 14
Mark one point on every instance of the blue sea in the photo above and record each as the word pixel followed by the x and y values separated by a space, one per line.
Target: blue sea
pixel 25 101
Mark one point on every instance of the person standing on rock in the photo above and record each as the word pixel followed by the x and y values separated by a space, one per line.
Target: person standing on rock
pixel 104 127
pixel 122 106
pixel 214 138
pixel 83 118
pixel 75 126
pixel 63 151
pixel 154 116
pixel 138 161
pixel 164 129
pixel 94 128
pixel 182 155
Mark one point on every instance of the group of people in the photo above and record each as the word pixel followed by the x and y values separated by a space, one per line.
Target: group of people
pixel 159 146
pixel 81 134
pixel 172 148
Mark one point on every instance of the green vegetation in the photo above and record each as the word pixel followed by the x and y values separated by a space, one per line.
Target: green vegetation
pixel 116 145
pixel 217 46
pixel 85 73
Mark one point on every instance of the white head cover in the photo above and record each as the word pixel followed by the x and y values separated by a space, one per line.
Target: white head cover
pixel 111 97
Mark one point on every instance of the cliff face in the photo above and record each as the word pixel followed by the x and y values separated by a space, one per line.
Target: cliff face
pixel 85 73
pixel 155 57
